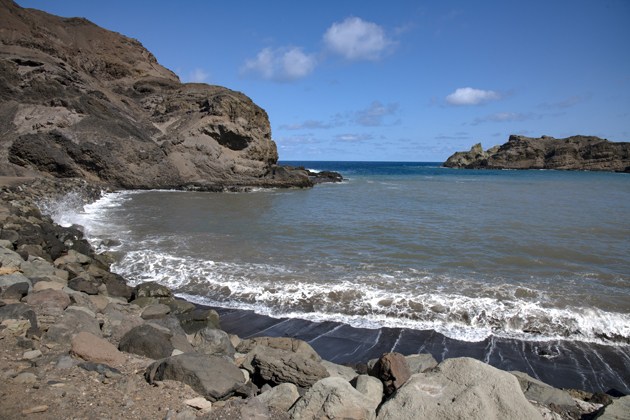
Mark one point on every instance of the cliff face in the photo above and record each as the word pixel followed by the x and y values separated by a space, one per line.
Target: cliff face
pixel 576 153
pixel 77 100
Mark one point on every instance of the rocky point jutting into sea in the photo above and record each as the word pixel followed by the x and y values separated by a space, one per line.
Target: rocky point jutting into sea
pixel 575 153
pixel 77 100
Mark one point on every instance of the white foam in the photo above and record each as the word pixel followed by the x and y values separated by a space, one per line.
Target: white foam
pixel 365 302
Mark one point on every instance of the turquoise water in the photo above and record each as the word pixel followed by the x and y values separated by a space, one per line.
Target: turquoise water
pixel 532 255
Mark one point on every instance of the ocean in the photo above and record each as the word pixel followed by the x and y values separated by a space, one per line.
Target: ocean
pixel 538 259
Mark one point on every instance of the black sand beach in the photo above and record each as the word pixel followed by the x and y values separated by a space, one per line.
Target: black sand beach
pixel 561 364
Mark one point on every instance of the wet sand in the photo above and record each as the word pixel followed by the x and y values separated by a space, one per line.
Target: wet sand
pixel 562 364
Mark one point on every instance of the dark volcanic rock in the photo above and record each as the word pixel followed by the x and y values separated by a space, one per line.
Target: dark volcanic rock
pixel 576 153
pixel 77 100
pixel 279 366
pixel 146 341
pixel 210 376
pixel 392 370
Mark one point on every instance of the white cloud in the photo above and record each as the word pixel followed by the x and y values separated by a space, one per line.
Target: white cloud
pixel 373 116
pixel 280 65
pixel 356 39
pixel 197 76
pixel 470 96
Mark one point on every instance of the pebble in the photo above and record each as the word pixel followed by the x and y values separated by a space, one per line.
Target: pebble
pixel 200 403
pixel 38 409
pixel 30 355
pixel 25 378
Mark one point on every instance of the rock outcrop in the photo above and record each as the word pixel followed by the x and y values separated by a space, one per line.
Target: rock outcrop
pixel 576 153
pixel 77 100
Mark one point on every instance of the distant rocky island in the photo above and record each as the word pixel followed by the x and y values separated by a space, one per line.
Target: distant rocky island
pixel 575 153
pixel 79 101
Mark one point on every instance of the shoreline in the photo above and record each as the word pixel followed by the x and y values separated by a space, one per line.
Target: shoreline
pixel 81 278
pixel 552 362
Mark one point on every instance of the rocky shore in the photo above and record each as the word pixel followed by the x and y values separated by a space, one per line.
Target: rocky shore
pixel 575 153
pixel 76 341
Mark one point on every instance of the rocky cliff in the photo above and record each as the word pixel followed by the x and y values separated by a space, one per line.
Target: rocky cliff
pixel 77 100
pixel 576 153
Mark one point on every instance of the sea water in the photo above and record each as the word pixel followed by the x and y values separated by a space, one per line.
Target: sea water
pixel 470 254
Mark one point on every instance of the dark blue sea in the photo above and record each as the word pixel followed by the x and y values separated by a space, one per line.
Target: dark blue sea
pixel 475 256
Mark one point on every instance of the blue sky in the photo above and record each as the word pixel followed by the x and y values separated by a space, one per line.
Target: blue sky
pixel 394 81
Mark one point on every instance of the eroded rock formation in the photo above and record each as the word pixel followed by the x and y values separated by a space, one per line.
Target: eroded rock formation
pixel 576 153
pixel 77 100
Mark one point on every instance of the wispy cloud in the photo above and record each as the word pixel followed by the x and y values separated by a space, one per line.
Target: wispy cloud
pixel 573 100
pixel 507 117
pixel 355 39
pixel 353 138
pixel 285 64
pixel 469 96
pixel 457 136
pixel 307 125
pixel 374 114
pixel 296 140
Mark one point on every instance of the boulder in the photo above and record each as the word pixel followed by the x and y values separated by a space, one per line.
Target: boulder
pixel 392 370
pixel 70 325
pixel 211 341
pixel 99 301
pixel 119 329
pixel 59 297
pixel 619 409
pixel 48 313
pixel 8 257
pixel 340 371
pixel 16 291
pixel 13 278
pixel 47 285
pixel 212 377
pixel 282 343
pixel 282 396
pixel 143 302
pixel 83 300
pixel 81 284
pixel 73 257
pixel 123 309
pixel 94 349
pixel 333 398
pixel 180 343
pixel 155 311
pixel 152 289
pixel 18 311
pixel 116 287
pixel 370 387
pixel 16 327
pixel 172 323
pixel 196 320
pixel 418 363
pixel 179 306
pixel 146 341
pixel 538 391
pixel 278 366
pixel 461 388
